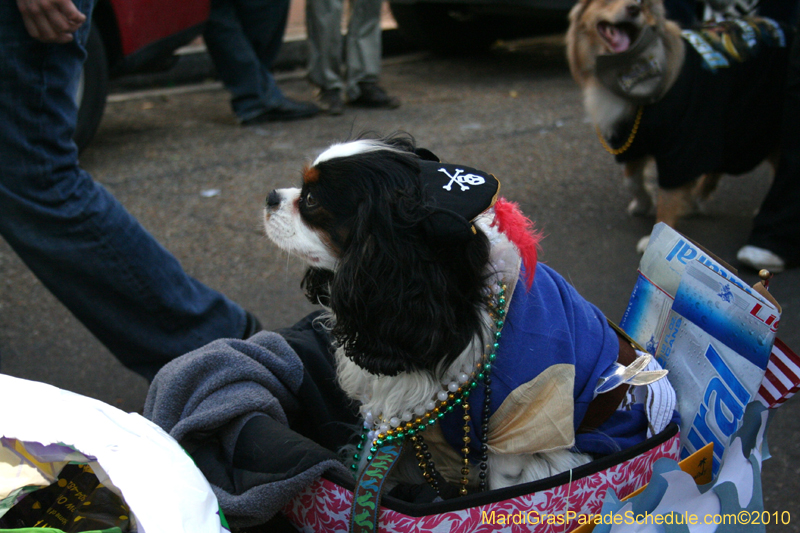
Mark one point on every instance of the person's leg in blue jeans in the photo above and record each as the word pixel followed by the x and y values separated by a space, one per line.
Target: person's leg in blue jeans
pixel 129 291
pixel 243 38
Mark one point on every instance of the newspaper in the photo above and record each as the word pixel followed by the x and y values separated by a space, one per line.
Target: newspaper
pixel 709 329
pixel 660 271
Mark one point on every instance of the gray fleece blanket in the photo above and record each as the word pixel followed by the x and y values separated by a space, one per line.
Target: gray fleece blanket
pixel 204 398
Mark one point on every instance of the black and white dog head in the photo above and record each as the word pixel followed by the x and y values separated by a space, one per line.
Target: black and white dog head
pixel 385 229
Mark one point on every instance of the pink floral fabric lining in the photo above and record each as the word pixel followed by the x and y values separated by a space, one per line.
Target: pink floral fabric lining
pixel 325 506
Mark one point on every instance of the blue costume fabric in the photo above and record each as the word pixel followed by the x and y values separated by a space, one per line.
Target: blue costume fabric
pixel 552 324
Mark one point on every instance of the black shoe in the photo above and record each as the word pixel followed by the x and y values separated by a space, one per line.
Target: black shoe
pixel 287 110
pixel 373 96
pixel 331 101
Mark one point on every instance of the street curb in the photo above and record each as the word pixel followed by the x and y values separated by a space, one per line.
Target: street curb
pixel 194 65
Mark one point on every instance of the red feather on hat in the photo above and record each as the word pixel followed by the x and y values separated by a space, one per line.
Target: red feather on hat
pixel 519 229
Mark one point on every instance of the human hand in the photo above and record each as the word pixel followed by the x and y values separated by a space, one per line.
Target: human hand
pixel 51 21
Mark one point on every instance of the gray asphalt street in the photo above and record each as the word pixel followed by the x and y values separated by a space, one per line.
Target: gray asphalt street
pixel 197 181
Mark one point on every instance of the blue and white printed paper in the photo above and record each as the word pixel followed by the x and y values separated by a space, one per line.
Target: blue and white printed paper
pixel 716 351
pixel 660 271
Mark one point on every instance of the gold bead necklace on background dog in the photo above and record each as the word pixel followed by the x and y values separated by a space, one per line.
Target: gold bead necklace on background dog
pixel 622 149
pixel 413 429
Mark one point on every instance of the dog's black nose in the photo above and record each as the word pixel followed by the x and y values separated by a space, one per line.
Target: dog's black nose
pixel 273 199
pixel 634 10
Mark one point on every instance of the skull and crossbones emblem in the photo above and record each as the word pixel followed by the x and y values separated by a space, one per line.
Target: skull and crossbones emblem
pixel 463 180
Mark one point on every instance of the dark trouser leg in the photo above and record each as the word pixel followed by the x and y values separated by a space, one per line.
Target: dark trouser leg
pixel 243 38
pixel 777 225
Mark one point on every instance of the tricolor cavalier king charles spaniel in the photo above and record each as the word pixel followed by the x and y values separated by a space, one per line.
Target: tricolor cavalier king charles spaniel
pixel 421 265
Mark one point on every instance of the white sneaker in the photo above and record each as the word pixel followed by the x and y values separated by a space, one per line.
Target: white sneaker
pixel 758 258
pixel 641 246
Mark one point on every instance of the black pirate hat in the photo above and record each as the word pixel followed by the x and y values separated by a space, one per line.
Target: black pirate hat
pixel 457 195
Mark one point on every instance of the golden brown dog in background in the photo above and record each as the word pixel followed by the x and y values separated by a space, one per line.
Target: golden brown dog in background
pixel 611 27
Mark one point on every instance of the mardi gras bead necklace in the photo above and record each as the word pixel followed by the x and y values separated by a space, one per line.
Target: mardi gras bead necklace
pixel 456 394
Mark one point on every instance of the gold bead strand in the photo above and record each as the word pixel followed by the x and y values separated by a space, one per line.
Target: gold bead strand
pixel 465 451
pixel 624 148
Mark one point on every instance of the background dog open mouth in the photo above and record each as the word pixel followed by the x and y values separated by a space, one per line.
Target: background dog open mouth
pixel 618 37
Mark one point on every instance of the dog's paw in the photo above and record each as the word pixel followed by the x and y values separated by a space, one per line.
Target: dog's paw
pixel 641 246
pixel 641 207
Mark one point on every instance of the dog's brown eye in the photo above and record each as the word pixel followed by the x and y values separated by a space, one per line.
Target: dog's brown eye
pixel 310 201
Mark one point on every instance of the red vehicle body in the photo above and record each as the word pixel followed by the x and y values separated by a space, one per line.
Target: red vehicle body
pixel 145 22
pixel 130 36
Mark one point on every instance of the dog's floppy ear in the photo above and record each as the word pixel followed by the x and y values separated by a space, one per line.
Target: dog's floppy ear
pixel 577 11
pixel 402 301
pixel 575 46
pixel 316 284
